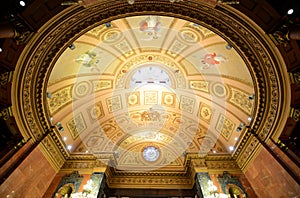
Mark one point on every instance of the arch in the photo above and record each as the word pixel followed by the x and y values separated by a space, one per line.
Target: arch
pixel 37 61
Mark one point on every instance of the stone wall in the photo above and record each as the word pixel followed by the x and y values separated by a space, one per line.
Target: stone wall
pixel 30 179
pixel 269 179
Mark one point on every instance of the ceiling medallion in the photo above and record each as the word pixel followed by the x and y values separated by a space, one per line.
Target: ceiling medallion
pixel 151 153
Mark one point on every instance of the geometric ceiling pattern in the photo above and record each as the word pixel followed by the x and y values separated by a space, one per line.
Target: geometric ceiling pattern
pixel 150 81
pixel 167 88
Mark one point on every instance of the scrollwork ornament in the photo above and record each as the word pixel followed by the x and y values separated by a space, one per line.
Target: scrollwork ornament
pixel 5 78
pixel 295 114
pixel 6 113
pixel 295 78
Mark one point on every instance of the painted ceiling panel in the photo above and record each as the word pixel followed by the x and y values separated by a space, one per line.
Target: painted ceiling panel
pixel 153 82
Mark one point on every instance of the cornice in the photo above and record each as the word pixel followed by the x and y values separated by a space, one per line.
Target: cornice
pixel 38 59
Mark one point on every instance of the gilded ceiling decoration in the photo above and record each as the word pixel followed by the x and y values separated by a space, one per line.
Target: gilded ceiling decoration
pixel 148 88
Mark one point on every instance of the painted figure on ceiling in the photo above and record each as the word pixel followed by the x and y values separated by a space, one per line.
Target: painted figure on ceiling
pixel 212 59
pixel 89 59
pixel 151 26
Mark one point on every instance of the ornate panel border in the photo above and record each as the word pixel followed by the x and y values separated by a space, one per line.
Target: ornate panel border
pixel 38 59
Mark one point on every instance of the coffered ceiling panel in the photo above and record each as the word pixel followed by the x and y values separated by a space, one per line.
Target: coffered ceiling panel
pixel 150 89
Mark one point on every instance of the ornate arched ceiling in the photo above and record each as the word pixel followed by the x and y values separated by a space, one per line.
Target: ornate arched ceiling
pixel 171 77
pixel 150 80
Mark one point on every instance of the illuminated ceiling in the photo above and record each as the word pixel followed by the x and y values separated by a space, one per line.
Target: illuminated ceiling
pixel 149 89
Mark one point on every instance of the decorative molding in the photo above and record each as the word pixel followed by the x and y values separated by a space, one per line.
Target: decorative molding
pixel 59 99
pixel 200 85
pixel 114 103
pixel 6 113
pixel 22 32
pixel 295 78
pixel 225 126
pixel 295 114
pixel 122 74
pixel 6 78
pixel 241 100
pixel 187 104
pixel 53 152
pixel 76 125
pixel 33 71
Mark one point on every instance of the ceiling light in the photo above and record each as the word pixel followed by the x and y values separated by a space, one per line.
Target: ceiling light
pixel 131 2
pixel 240 127
pixel 214 151
pixel 64 138
pixel 59 127
pixel 72 46
pixel 69 147
pixel 249 119
pixel 228 46
pixel 22 3
pixel 108 24
pixel 251 97
pixel 231 148
pixel 49 95
pixel 236 138
pixel 116 154
pixel 0 49
pixel 290 11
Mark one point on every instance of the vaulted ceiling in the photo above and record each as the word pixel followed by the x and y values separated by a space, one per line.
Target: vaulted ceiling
pixel 150 81
pixel 163 87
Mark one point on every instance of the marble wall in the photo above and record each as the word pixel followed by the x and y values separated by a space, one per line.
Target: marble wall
pixel 269 179
pixel 30 179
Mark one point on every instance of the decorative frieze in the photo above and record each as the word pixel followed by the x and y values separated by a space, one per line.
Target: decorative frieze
pixel 35 70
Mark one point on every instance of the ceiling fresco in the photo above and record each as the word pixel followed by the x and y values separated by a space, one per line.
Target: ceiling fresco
pixel 150 89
